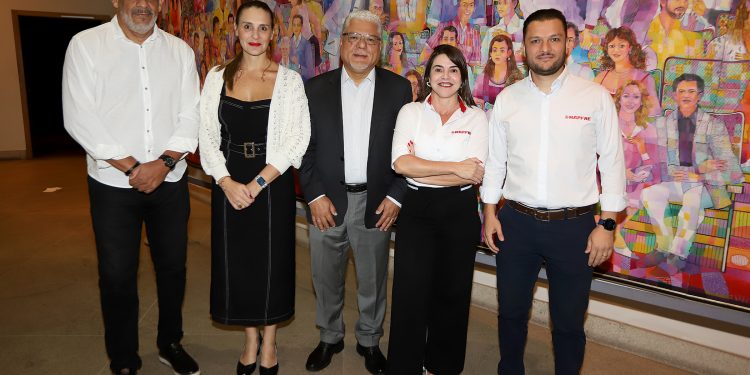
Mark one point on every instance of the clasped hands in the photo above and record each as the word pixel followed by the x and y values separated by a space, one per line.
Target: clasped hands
pixel 148 176
pixel 323 211
pixel 239 195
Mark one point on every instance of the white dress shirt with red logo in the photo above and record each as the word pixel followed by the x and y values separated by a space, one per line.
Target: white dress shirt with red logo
pixel 543 147
pixel 420 129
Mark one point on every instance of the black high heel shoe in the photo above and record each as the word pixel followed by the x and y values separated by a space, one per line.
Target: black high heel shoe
pixel 249 369
pixel 270 370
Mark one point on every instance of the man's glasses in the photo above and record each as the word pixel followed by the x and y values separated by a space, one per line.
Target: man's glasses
pixel 354 38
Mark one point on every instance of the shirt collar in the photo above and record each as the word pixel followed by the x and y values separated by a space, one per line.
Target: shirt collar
pixel 119 34
pixel 345 78
pixel 428 103
pixel 556 84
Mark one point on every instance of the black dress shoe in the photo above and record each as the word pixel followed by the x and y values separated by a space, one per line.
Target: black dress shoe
pixel 178 359
pixel 320 358
pixel 269 370
pixel 375 361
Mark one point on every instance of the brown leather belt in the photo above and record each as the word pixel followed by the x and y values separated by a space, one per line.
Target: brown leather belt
pixel 554 214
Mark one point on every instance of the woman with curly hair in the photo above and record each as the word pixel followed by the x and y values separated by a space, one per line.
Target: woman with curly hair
pixel 639 149
pixel 623 61
pixel 499 72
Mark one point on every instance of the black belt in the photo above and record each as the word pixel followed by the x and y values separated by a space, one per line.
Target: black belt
pixel 544 214
pixel 247 149
pixel 355 188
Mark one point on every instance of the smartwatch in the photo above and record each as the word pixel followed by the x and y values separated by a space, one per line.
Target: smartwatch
pixel 169 161
pixel 261 182
pixel 608 224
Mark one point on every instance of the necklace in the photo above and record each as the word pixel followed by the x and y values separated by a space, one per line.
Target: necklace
pixel 262 75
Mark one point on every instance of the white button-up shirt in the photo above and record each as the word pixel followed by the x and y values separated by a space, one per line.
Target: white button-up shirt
pixel 543 147
pixel 123 99
pixel 463 136
pixel 356 109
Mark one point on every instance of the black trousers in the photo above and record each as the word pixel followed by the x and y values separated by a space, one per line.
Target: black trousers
pixel 436 238
pixel 560 245
pixel 118 215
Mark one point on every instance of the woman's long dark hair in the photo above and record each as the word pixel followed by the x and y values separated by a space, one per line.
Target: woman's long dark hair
pixel 457 57
pixel 231 66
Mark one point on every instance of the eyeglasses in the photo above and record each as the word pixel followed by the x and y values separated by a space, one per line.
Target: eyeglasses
pixel 354 38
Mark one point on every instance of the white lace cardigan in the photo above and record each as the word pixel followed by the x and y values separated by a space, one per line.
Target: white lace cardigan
pixel 288 123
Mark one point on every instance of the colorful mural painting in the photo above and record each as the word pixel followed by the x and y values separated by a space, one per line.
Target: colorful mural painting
pixel 678 72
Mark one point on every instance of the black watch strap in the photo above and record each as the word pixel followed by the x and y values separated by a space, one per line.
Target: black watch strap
pixel 130 171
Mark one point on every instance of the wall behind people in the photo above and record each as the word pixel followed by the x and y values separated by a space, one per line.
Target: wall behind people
pixel 12 138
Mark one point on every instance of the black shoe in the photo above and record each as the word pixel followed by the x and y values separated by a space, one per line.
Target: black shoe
pixel 178 359
pixel 246 369
pixel 375 361
pixel 320 358
pixel 249 369
pixel 269 370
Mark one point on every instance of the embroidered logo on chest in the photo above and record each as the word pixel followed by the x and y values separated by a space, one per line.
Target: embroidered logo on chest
pixel 461 132
pixel 578 117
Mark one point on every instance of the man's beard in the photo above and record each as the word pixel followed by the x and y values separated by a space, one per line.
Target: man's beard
pixel 139 28
pixel 675 15
pixel 537 69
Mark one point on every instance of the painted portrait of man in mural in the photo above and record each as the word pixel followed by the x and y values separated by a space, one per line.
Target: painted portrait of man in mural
pixel 697 164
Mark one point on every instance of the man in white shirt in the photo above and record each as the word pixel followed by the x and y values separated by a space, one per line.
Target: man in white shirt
pixel 130 99
pixel 352 192
pixel 545 134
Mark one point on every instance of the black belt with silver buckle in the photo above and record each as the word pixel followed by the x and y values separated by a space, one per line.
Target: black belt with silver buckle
pixel 544 214
pixel 247 149
pixel 355 188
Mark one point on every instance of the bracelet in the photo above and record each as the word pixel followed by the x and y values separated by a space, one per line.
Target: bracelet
pixel 129 171
pixel 220 180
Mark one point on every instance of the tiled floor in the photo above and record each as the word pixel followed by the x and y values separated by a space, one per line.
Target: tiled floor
pixel 49 302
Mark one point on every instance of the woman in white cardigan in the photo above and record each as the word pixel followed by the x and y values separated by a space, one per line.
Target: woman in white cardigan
pixel 255 125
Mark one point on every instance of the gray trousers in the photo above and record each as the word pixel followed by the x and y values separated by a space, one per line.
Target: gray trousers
pixel 329 253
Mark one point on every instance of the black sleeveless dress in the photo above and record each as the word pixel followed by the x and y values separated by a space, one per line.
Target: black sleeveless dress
pixel 252 250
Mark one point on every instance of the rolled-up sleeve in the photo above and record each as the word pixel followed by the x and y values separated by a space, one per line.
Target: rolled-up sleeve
pixel 185 137
pixel 497 158
pixel 80 119
pixel 611 161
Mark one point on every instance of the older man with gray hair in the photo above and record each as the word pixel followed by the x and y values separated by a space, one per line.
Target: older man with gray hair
pixel 351 190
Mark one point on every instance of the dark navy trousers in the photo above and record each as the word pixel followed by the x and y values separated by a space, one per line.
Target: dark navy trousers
pixel 560 246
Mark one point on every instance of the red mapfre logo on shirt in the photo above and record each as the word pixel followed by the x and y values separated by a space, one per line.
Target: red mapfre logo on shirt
pixel 576 117
pixel 461 132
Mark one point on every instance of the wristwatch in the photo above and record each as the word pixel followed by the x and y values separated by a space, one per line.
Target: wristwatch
pixel 169 161
pixel 261 182
pixel 608 224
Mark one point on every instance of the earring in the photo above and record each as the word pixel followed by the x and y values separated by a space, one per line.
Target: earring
pixel 428 84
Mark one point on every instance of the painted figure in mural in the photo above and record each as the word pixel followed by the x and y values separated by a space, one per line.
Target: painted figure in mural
pixel 417 85
pixel 571 41
pixel 333 22
pixel 624 61
pixel 440 146
pixel 500 71
pixel 635 14
pixel 285 60
pixel 508 22
pixel 301 48
pixel 407 16
pixel 447 35
pixel 353 203
pixel 231 35
pixel 667 36
pixel 396 54
pixel 733 45
pixel 135 140
pixel 468 39
pixel 443 11
pixel 550 131
pixel 699 163
pixel 311 29
pixel 255 126
pixel 568 7
pixel 694 19
pixel 639 146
